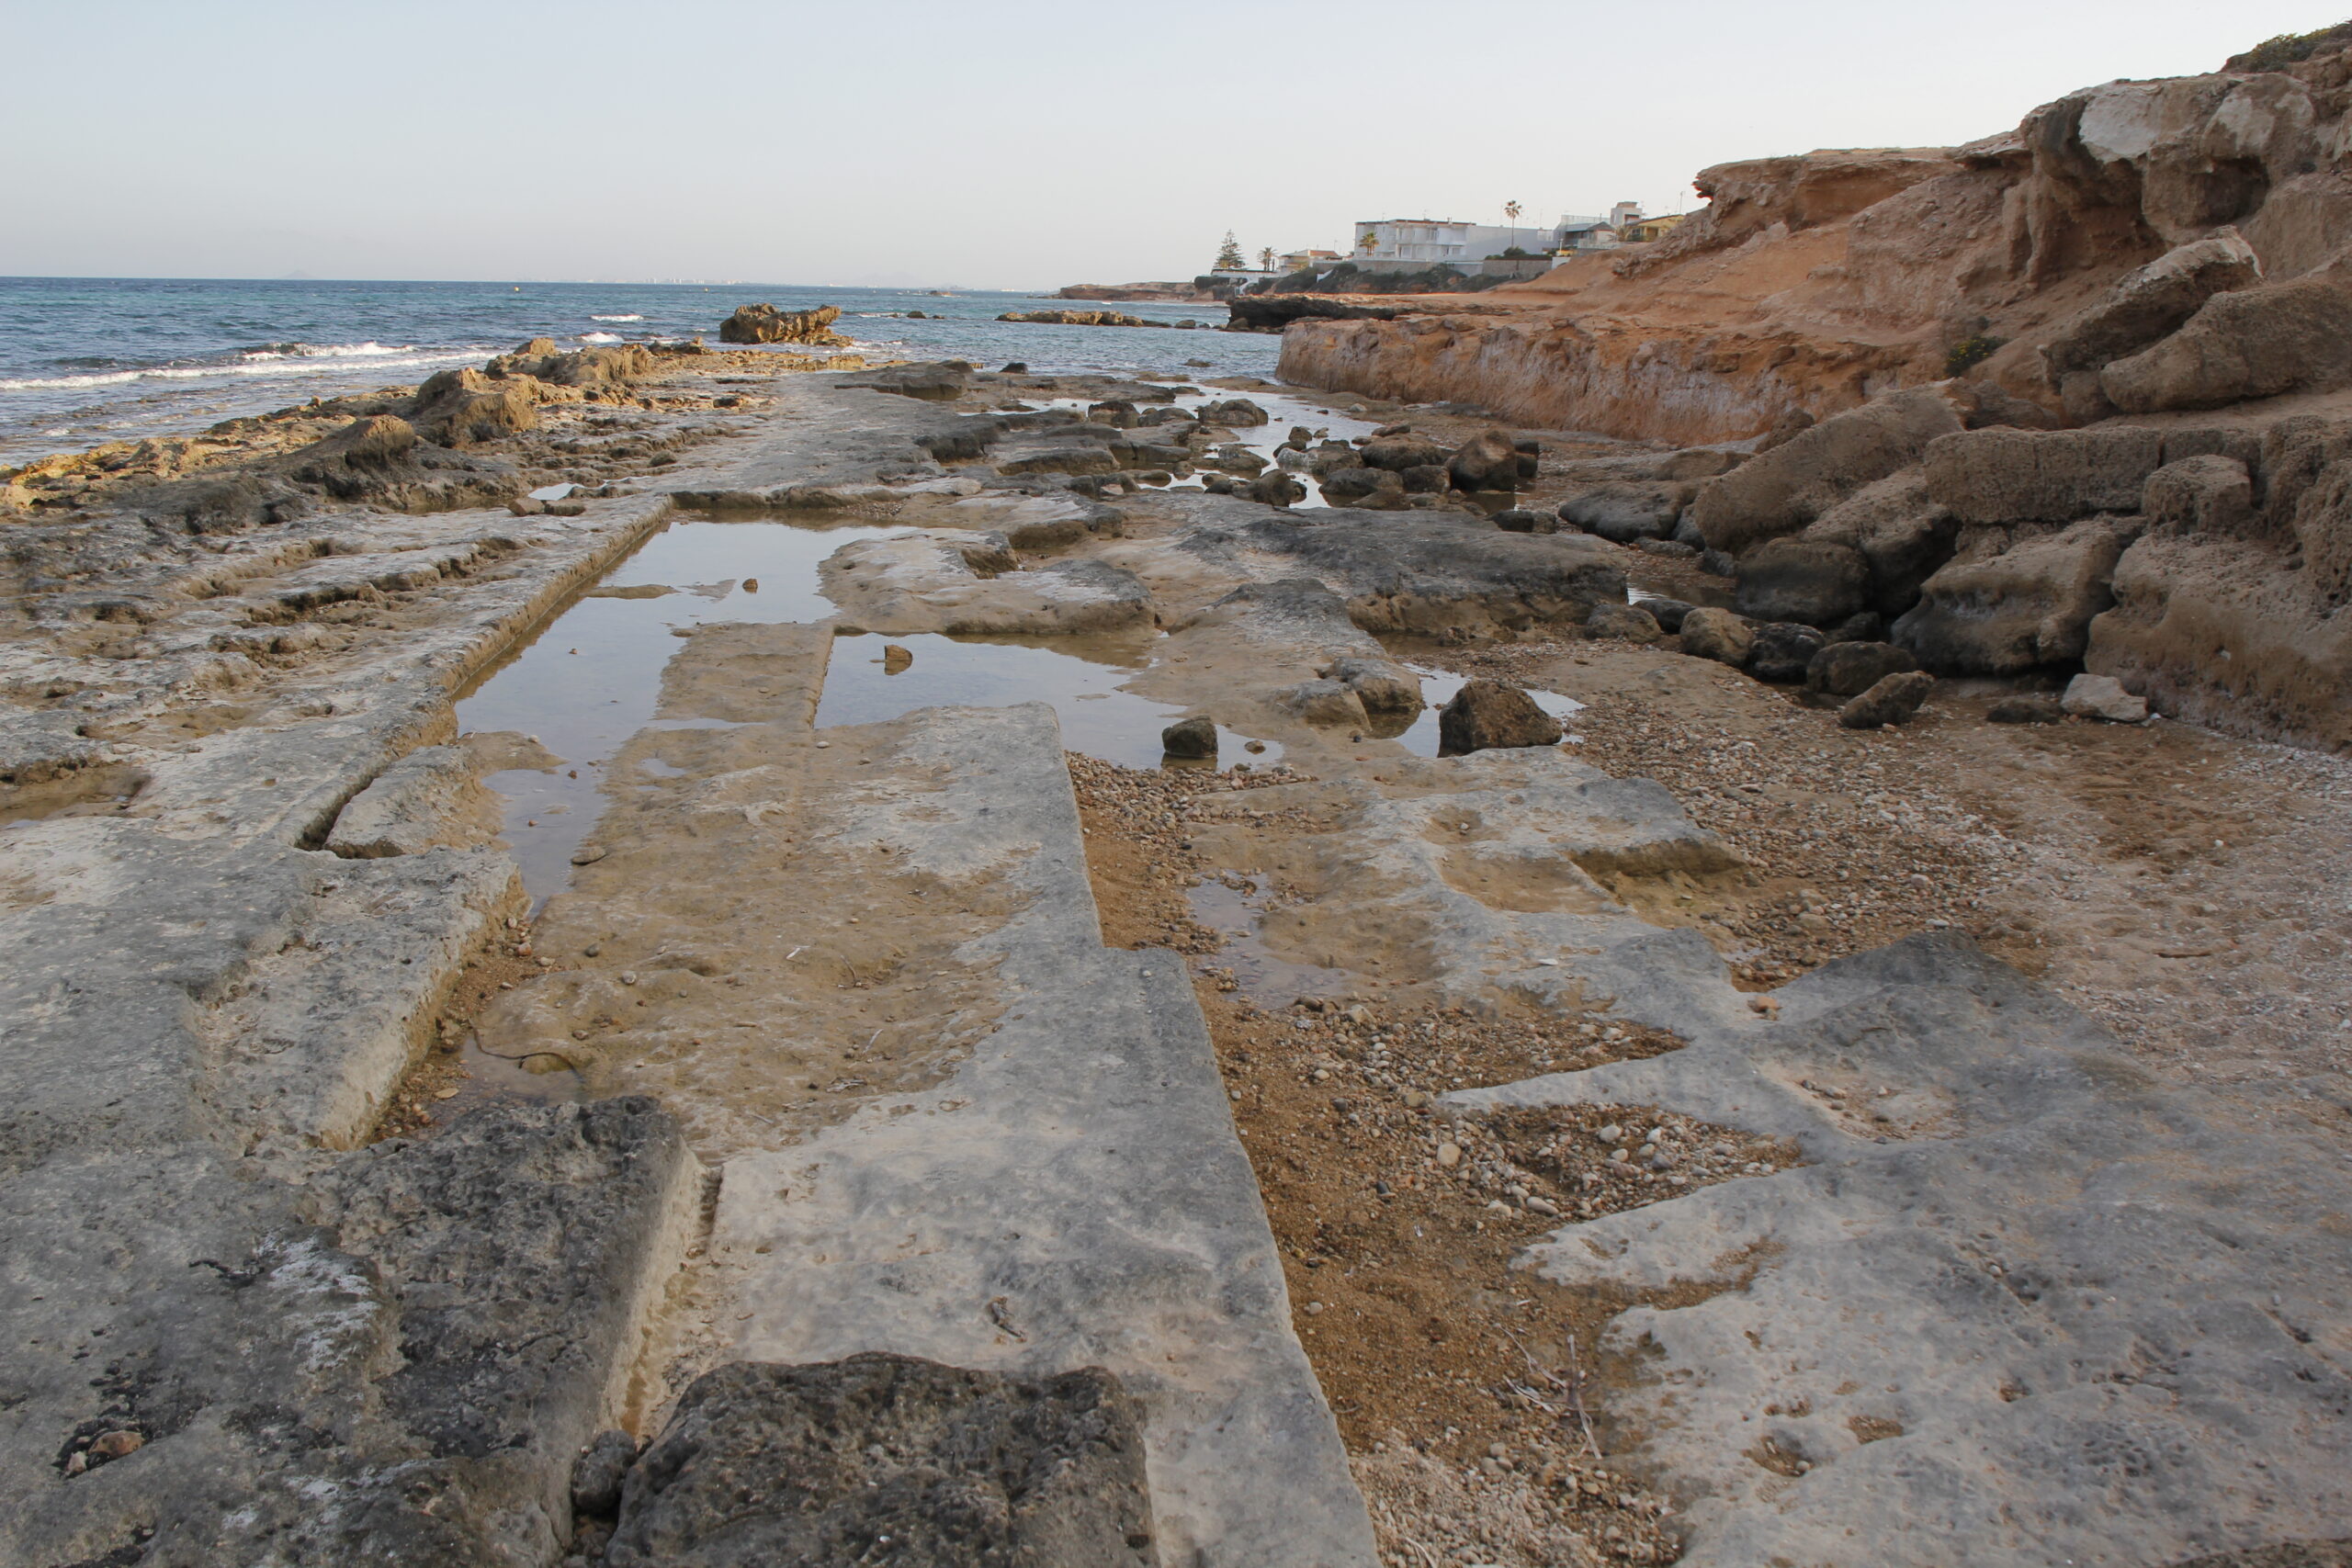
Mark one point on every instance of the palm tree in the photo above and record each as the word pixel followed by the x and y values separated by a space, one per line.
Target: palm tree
pixel 1266 259
pixel 1512 210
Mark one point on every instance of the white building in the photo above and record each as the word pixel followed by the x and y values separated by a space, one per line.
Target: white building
pixel 1429 241
pixel 1576 232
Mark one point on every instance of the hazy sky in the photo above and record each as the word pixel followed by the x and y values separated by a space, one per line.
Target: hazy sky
pixel 983 142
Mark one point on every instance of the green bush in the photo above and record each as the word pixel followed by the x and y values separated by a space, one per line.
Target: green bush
pixel 2289 49
pixel 1969 352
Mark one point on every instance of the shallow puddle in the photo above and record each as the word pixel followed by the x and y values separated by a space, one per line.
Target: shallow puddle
pixel 1081 676
pixel 1270 981
pixel 590 678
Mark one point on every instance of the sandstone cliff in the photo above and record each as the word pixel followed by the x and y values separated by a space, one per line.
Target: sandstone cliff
pixel 2074 398
pixel 1813 283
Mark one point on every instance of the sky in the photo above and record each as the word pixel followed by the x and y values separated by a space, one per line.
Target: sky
pixel 1005 143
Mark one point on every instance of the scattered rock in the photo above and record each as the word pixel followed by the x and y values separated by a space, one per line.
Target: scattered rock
pixel 1625 512
pixel 1850 669
pixel 1323 701
pixel 1489 715
pixel 896 656
pixel 1195 737
pixel 1400 452
pixel 1783 650
pixel 1487 461
pixel 1519 520
pixel 1276 488
pixel 1889 701
pixel 1669 613
pixel 2103 697
pixel 1719 635
pixel 1814 581
pixel 1382 687
pixel 1630 621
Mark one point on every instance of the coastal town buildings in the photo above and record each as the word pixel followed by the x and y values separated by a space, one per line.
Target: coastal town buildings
pixel 1429 241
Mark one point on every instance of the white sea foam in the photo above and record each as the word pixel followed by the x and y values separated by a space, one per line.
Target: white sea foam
pixel 600 337
pixel 264 364
pixel 616 318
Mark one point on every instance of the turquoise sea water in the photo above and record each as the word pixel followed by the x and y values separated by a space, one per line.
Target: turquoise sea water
pixel 89 360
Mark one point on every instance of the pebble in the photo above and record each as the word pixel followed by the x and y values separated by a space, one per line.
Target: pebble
pixel 629 976
pixel 1449 1155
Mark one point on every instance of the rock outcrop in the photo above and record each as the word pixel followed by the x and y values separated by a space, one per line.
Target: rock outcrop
pixel 767 323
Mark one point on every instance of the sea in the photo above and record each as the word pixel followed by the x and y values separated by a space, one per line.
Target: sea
pixel 85 361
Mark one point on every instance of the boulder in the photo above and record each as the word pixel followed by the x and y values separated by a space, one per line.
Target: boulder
pixel 1195 737
pixel 766 324
pixel 1382 687
pixel 1783 650
pixel 1669 614
pixel 1332 456
pixel 2028 605
pixel 1849 668
pixel 2029 476
pixel 2151 303
pixel 1232 412
pixel 1891 700
pixel 1670 549
pixel 1900 531
pixel 1489 715
pixel 1323 701
pixel 1519 520
pixel 2103 697
pixel 2253 343
pixel 1117 412
pixel 1622 513
pixel 2211 494
pixel 765 1464
pixel 1781 491
pixel 1276 488
pixel 460 408
pixel 1719 635
pixel 1488 460
pixel 1815 581
pixel 1398 453
pixel 1429 479
pixel 2025 708
pixel 1629 623
pixel 1863 626
pixel 1374 488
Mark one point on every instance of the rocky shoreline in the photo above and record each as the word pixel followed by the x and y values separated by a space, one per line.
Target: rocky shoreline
pixel 954 982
